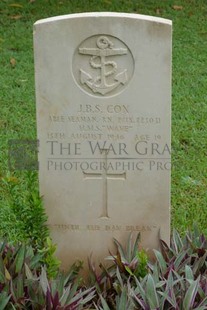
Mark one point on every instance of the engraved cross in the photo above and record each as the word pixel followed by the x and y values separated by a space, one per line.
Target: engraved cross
pixel 105 176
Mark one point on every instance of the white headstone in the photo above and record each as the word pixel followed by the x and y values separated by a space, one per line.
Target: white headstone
pixel 103 92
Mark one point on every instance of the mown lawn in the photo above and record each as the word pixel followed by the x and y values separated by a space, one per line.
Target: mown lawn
pixel 21 215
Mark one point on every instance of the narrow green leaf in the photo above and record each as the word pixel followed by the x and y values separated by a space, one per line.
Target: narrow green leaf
pixel 13 292
pixel 135 249
pixel 190 295
pixel 1 265
pixel 64 298
pixel 35 261
pixel 199 263
pixel 4 299
pixel 7 274
pixel 181 260
pixel 29 251
pixel 104 304
pixel 121 250
pixel 19 260
pixel 139 289
pixel 89 295
pixel 177 243
pixel 129 270
pixel 155 272
pixel 170 286
pixel 196 231
pixel 19 287
pixel 28 272
pixel 81 297
pixel 188 273
pixel 2 277
pixel 166 296
pixel 161 261
pixel 123 300
pixel 137 301
pixel 129 248
pixel 16 5
pixel 119 277
pixel 73 290
pixel 44 281
pixel 151 293
pixel 2 246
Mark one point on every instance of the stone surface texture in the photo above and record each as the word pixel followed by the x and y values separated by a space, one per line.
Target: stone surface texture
pixel 103 94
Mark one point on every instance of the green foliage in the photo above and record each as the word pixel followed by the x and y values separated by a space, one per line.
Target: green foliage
pixel 143 260
pixel 15 264
pixel 189 126
pixel 176 280
pixel 180 269
pixel 126 264
pixel 24 284
pixel 49 258
pixel 131 261
pixel 22 216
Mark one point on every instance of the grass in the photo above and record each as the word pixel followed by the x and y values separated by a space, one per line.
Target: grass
pixel 21 214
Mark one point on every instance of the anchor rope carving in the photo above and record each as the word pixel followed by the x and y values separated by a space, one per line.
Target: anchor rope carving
pixel 99 65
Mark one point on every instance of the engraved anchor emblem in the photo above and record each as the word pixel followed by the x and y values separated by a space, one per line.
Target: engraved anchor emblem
pixel 107 68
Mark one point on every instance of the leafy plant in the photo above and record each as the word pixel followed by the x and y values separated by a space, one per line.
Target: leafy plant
pixel 49 259
pixel 112 282
pixel 176 280
pixel 129 262
pixel 24 283
pixel 22 216
pixel 15 262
